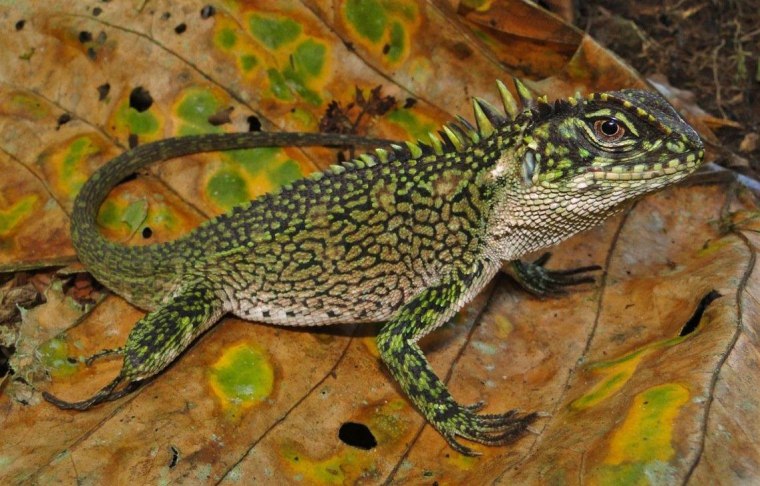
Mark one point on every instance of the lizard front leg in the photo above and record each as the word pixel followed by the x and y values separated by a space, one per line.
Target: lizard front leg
pixel 399 350
pixel 157 339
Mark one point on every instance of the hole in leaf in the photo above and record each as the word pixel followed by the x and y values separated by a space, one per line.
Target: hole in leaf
pixel 254 124
pixel 174 459
pixel 147 232
pixel 20 24
pixel 63 119
pixel 5 354
pixel 85 36
pixel 103 91
pixel 132 140
pixel 207 11
pixel 180 28
pixel 357 435
pixel 693 321
pixel 97 11
pixel 140 99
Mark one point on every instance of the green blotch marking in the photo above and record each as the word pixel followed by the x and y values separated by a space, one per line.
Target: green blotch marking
pixel 344 467
pixel 19 212
pixel 226 38
pixel 28 106
pixel 133 121
pixel 641 446
pixel 388 423
pixel 286 173
pixel 304 118
pixel 108 215
pixel 194 108
pixel 243 376
pixel 166 218
pixel 368 17
pixel 616 373
pixel 277 85
pixel 309 58
pixel 227 189
pixel 77 152
pixel 135 214
pixel 397 42
pixel 273 32
pixel 416 128
pixel 256 160
pixel 248 62
pixel 54 355
pixel 306 62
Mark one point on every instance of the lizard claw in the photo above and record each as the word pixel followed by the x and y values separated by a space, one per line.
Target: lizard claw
pixel 489 429
pixel 538 280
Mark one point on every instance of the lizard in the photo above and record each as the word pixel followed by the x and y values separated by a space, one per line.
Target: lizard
pixel 404 235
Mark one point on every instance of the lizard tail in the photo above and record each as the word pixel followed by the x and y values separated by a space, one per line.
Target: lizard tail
pixel 113 263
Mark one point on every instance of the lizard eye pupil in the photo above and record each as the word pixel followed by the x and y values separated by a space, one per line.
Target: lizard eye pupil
pixel 609 129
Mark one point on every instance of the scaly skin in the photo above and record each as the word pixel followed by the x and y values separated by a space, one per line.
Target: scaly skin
pixel 406 235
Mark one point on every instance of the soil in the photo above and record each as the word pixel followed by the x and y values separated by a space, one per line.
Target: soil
pixel 709 47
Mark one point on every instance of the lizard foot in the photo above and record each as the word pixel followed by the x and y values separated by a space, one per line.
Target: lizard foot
pixel 538 280
pixel 490 429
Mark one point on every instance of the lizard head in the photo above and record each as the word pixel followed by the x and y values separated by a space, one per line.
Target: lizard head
pixel 628 141
pixel 571 164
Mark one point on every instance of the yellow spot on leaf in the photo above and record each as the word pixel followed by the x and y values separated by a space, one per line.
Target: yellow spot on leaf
pixel 616 373
pixel 642 445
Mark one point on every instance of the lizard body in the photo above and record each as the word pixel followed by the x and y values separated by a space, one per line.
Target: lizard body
pixel 404 236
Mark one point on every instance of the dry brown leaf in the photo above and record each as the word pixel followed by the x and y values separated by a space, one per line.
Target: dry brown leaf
pixel 627 398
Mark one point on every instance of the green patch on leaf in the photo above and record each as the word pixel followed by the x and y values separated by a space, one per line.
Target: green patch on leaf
pixel 273 32
pixel 227 189
pixel 133 121
pixel 135 214
pixel 76 154
pixel 17 213
pixel 194 108
pixel 243 376
pixel 397 42
pixel 277 85
pixel 248 62
pixel 309 58
pixel 368 17
pixel 256 160
pixel 54 355
pixel 27 106
pixel 416 128
pixel 226 38
pixel 286 173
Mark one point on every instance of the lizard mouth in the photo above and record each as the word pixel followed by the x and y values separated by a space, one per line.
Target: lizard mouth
pixel 685 164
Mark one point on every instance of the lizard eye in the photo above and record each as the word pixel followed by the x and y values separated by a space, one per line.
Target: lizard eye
pixel 609 129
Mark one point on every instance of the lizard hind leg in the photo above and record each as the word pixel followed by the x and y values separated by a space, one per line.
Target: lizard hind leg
pixel 156 340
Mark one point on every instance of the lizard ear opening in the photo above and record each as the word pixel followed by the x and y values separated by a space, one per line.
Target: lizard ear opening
pixel 528 168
